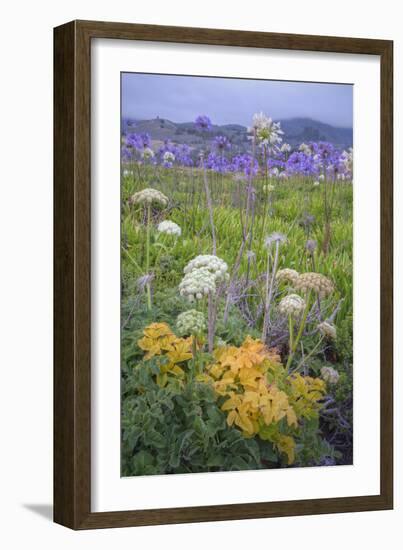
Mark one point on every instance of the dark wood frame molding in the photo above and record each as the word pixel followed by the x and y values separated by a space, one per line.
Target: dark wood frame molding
pixel 72 292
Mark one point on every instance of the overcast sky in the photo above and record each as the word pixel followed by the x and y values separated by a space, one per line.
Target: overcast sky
pixel 230 100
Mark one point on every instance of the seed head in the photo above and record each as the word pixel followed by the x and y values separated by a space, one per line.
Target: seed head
pixel 286 274
pixel 149 196
pixel 330 375
pixel 316 282
pixel 328 330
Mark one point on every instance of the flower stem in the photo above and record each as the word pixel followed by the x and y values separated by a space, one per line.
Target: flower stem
pixel 210 209
pixel 269 291
pixel 194 353
pixel 148 287
pixel 304 359
pixel 300 331
pixel 291 330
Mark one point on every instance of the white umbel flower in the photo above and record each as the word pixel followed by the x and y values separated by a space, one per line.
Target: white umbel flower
pixel 285 148
pixel 150 196
pixel 197 284
pixel 292 305
pixel 190 322
pixel 329 375
pixel 328 330
pixel 170 228
pixel 215 265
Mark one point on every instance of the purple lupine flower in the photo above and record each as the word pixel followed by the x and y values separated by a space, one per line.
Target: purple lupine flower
pixel 246 164
pixel 138 141
pixel 276 163
pixel 303 164
pixel 203 123
pixel 218 163
pixel 126 153
pixel 183 155
pixel 221 143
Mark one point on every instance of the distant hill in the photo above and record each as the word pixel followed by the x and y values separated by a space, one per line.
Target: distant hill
pixel 296 131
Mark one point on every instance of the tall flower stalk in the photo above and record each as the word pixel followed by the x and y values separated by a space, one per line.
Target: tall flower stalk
pixel 276 239
pixel 204 277
pixel 209 206
pixel 148 286
pixel 147 198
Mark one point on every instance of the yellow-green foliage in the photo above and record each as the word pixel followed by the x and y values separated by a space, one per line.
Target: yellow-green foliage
pixel 251 385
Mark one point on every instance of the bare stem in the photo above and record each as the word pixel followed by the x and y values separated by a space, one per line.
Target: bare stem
pixel 210 208
pixel 269 291
pixel 148 286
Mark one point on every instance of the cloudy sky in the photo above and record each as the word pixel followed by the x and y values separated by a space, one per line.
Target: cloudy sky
pixel 228 100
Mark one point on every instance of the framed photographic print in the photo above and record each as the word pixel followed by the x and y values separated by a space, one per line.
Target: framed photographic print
pixel 223 275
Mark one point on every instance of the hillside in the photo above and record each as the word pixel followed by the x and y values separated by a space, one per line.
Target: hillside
pixel 296 130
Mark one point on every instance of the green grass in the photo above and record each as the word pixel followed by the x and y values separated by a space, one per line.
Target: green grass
pixel 287 207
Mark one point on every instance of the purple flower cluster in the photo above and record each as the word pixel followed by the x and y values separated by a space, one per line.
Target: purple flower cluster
pixel 246 164
pixel 138 141
pixel 221 144
pixel 181 153
pixel 302 164
pixel 203 123
pixel 313 159
pixel 218 163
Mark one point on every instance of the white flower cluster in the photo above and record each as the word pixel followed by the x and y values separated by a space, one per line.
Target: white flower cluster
pixel 201 275
pixel 267 132
pixel 150 196
pixel 190 322
pixel 147 153
pixel 292 305
pixel 215 265
pixel 170 228
pixel 285 148
pixel 168 156
pixel 347 159
pixel 330 375
pixel 328 330
pixel 197 284
pixel 304 148
pixel 267 188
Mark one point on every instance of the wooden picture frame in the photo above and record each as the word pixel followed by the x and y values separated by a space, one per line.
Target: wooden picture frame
pixel 72 271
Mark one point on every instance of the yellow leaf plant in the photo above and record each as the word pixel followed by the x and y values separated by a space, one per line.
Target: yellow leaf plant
pixel 160 341
pixel 255 391
pixel 258 394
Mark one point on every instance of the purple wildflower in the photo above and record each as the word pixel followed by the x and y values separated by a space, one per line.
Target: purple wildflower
pixel 221 143
pixel 203 123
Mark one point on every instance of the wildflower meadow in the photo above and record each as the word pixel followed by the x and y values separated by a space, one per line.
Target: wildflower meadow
pixel 236 300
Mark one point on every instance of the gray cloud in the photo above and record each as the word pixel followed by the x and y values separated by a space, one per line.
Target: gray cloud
pixel 227 100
